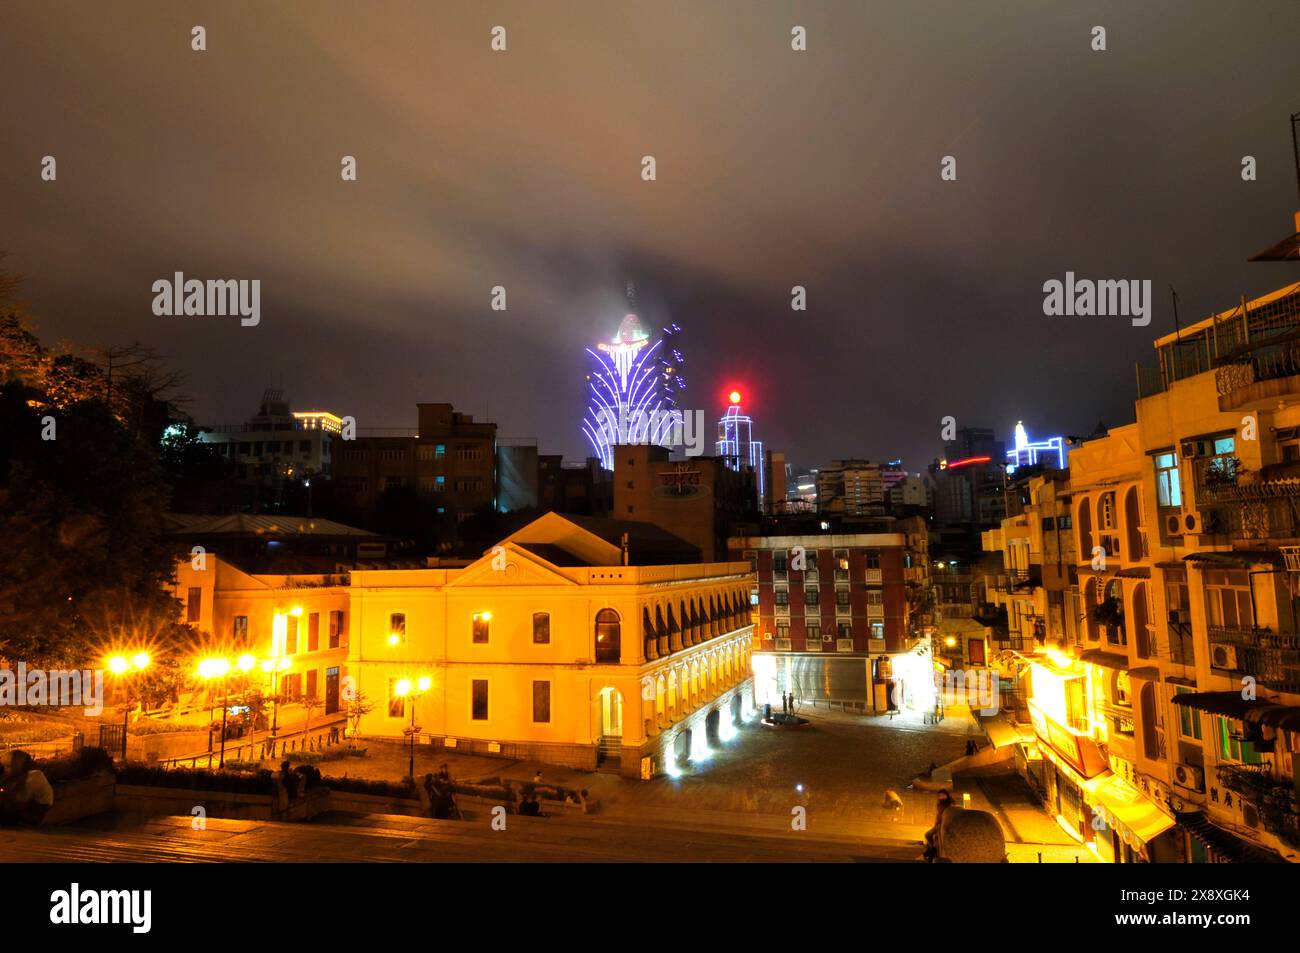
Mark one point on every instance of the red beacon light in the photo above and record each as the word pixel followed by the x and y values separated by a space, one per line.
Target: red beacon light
pixel 734 396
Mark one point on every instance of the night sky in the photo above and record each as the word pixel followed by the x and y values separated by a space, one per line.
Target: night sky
pixel 775 168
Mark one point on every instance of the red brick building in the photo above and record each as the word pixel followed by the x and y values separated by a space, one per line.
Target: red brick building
pixel 829 607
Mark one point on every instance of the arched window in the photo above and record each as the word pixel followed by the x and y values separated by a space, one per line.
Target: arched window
pixel 608 636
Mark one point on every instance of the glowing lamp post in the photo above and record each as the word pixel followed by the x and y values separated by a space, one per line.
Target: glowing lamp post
pixel 122 667
pixel 404 689
pixel 209 669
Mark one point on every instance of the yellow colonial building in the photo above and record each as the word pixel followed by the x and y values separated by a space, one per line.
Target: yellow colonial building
pixel 576 641
pixel 294 624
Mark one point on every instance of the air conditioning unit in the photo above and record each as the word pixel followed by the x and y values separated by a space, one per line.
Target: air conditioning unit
pixel 828 638
pixel 1223 656
pixel 1189 777
pixel 1250 814
pixel 1173 525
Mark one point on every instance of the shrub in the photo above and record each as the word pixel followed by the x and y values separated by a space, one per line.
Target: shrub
pixel 401 789
pixel 83 764
pixel 193 779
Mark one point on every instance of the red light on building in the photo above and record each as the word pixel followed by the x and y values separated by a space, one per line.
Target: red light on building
pixel 967 462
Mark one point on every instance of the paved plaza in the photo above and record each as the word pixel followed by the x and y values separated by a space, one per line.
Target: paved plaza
pixel 736 806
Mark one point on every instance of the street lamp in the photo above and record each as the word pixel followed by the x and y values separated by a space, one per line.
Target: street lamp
pixel 210 668
pixel 121 666
pixel 404 689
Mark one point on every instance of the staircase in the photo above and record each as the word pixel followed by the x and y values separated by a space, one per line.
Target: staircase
pixel 608 754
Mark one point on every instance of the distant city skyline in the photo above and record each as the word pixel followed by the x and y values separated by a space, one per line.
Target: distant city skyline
pixel 924 295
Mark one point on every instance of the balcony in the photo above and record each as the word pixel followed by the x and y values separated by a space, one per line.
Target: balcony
pixel 1271 658
pixel 843 645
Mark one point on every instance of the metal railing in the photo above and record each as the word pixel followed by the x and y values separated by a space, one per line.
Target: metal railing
pixel 1272 658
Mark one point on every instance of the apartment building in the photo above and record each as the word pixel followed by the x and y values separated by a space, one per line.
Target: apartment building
pixel 832 609
pixel 1165 704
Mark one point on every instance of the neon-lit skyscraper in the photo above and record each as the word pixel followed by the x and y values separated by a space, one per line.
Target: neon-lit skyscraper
pixel 632 387
pixel 736 443
pixel 1049 452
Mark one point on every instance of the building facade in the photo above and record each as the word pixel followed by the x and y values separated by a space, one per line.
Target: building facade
pixel 831 610
pixel 557 646
pixel 294 625
pixel 1165 704
pixel 449 460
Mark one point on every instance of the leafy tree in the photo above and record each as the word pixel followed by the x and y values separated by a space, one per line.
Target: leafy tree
pixel 358 707
pixel 83 559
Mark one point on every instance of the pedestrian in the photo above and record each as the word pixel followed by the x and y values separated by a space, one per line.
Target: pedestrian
pixel 933 837
pixel 430 793
pixel 970 746
pixel 26 795
pixel 537 778
pixel 289 780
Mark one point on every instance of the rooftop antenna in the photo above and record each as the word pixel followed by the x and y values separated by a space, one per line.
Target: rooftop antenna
pixel 1177 331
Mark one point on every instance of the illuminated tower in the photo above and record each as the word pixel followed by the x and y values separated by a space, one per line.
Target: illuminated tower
pixel 632 387
pixel 1050 452
pixel 736 443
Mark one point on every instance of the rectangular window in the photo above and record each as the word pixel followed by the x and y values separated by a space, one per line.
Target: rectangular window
pixel 841 597
pixel 479 635
pixel 1049 522
pixel 311 684
pixel 336 628
pixel 397 626
pixel 846 630
pixel 778 564
pixel 241 629
pixel 541 702
pixel 814 632
pixel 782 596
pixel 811 596
pixel 877 630
pixel 396 703
pixel 1231 745
pixel 875 597
pixel 541 630
pixel 1227 594
pixel 440 451
pixel 194 604
pixel 873 560
pixel 1189 719
pixel 783 632
pixel 313 632
pixel 479 704
pixel 751 557
pixel 1065 522
pixel 291 635
pixel 1169 491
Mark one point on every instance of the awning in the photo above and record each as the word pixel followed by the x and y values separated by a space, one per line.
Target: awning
pixel 1238 560
pixel 1224 842
pixel 1148 673
pixel 1126 809
pixel 1000 731
pixel 1232 705
pixel 1105 659
pixel 1135 572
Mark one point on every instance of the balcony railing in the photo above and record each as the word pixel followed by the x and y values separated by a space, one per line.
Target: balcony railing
pixel 1272 658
